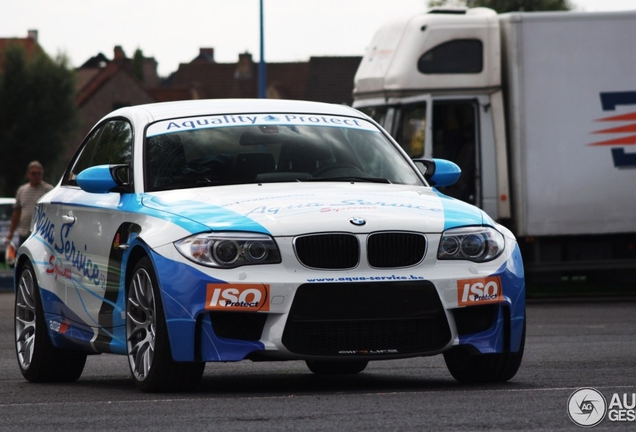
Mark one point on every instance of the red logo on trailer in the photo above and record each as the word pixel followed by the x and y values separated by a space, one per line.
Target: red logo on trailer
pixel 623 130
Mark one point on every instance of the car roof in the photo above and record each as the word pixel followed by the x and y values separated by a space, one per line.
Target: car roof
pixel 167 110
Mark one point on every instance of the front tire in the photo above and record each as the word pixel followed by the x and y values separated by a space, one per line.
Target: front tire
pixel 147 342
pixel 468 367
pixel 39 360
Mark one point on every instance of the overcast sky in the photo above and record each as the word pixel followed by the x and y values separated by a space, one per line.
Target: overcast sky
pixel 173 32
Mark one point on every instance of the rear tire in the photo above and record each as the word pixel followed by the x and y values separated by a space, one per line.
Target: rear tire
pixel 147 342
pixel 336 367
pixel 467 367
pixel 38 359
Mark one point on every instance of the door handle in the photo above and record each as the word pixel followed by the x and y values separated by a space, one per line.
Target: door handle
pixel 68 220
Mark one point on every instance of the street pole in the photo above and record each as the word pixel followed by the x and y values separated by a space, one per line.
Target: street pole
pixel 262 77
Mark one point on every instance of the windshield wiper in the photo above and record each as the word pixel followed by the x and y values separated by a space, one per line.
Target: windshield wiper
pixel 351 179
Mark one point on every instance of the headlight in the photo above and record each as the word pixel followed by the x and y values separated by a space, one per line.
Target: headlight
pixel 477 244
pixel 229 250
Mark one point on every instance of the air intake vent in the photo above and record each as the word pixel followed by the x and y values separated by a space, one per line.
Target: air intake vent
pixel 358 318
pixel 395 249
pixel 328 251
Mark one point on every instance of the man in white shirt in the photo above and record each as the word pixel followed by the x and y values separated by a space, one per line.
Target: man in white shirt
pixel 25 199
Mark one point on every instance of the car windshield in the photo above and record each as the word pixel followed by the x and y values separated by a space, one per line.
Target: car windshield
pixel 225 150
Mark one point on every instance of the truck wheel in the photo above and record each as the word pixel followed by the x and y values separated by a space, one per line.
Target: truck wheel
pixel 467 367
pixel 39 360
pixel 333 367
pixel 147 343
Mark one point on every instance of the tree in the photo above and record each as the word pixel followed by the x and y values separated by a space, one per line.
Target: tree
pixel 503 6
pixel 38 114
pixel 138 64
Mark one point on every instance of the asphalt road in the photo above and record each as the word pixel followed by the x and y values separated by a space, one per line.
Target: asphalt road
pixel 569 345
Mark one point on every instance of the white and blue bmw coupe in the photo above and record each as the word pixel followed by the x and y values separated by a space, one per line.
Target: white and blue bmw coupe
pixel 223 230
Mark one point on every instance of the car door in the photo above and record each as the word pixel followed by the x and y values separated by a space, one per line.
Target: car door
pixel 85 251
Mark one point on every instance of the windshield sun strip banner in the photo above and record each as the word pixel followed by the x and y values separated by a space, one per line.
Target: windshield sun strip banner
pixel 206 122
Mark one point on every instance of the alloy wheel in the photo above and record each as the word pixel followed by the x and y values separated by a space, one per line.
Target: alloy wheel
pixel 141 324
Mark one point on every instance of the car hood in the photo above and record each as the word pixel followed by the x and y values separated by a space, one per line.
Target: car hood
pixel 291 209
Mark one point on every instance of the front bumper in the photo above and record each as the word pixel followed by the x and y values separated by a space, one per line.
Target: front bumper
pixel 404 314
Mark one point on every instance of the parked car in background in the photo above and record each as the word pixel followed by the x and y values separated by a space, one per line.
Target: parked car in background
pixel 224 230
pixel 6 209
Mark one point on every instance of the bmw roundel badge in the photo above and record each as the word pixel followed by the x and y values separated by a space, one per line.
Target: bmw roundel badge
pixel 357 221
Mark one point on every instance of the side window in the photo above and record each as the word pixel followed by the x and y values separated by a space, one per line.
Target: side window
pixel 458 56
pixel 110 144
pixel 82 161
pixel 376 113
pixel 115 144
pixel 455 139
pixel 411 129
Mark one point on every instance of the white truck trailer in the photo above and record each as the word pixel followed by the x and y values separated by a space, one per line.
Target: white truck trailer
pixel 539 111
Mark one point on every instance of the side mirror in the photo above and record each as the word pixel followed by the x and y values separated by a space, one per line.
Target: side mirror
pixel 105 179
pixel 439 172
